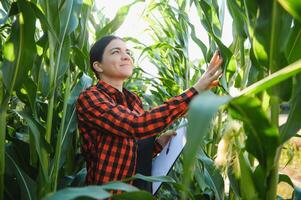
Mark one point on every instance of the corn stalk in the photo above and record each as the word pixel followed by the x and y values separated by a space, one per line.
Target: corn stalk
pixel 30 94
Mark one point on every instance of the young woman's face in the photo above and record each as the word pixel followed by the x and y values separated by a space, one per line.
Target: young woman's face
pixel 116 61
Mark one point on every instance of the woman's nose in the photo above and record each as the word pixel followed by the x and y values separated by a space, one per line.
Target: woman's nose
pixel 125 56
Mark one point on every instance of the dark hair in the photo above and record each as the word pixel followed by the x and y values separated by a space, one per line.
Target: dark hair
pixel 96 51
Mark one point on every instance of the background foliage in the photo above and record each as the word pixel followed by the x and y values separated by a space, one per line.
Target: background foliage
pixel 233 134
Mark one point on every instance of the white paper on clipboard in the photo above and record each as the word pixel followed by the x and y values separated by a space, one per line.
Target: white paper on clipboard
pixel 164 161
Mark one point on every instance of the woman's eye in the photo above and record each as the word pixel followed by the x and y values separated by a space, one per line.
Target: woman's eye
pixel 115 52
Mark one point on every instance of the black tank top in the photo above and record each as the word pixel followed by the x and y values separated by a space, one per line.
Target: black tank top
pixel 144 163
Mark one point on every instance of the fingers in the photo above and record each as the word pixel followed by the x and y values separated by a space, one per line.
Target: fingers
pixel 170 133
pixel 213 74
pixel 216 65
pixel 214 83
pixel 216 75
pixel 213 79
pixel 212 71
pixel 208 79
pixel 213 60
pixel 216 60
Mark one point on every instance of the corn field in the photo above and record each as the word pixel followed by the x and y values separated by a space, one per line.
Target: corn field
pixel 234 138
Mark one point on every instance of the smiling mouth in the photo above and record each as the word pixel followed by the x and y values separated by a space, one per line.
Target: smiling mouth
pixel 125 65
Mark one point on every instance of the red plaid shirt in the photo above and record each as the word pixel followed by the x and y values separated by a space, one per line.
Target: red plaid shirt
pixel 110 123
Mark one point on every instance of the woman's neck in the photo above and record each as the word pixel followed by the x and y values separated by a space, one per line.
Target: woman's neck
pixel 118 84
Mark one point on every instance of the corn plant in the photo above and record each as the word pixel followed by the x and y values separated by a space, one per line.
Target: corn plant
pixel 243 66
pixel 274 56
pixel 43 61
pixel 44 66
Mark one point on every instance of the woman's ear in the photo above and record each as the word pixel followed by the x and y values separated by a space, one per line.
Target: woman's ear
pixel 97 67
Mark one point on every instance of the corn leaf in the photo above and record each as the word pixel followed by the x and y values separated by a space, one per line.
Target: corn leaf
pixel 23 47
pixel 26 184
pixel 134 195
pixel 94 192
pixel 293 7
pixel 202 109
pixel 247 186
pixel 293 48
pixel 270 40
pixel 212 176
pixel 293 125
pixel 259 130
pixel 113 25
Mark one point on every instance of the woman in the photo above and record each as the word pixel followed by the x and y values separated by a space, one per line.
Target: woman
pixel 112 121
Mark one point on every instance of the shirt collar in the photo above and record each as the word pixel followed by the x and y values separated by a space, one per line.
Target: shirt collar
pixel 114 93
pixel 106 87
pixel 109 89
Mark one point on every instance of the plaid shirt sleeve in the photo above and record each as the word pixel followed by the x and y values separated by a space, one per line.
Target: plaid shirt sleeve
pixel 118 119
pixel 157 147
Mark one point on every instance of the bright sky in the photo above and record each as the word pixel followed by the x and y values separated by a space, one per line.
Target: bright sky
pixel 134 26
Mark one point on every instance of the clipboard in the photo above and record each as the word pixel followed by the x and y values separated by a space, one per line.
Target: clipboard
pixel 162 164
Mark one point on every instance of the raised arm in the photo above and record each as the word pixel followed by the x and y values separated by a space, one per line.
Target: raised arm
pixel 119 120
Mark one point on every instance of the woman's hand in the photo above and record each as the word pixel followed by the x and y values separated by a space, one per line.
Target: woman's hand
pixel 211 75
pixel 165 137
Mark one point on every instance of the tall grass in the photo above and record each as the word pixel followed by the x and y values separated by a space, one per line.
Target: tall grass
pixel 44 66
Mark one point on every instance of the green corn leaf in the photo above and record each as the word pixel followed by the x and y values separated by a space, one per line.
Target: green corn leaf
pixel 212 176
pixel 94 192
pixel 112 26
pixel 134 195
pixel 270 40
pixel 36 132
pixel 259 178
pixel 211 23
pixel 234 181
pixel 262 31
pixel 23 47
pixel 26 184
pixel 293 7
pixel 44 82
pixel 200 178
pixel 293 48
pixel 1 88
pixel 238 19
pixel 51 9
pixel 259 130
pixel 198 42
pixel 119 186
pixel 293 125
pixel 91 192
pixel 166 179
pixel 6 5
pixel 202 109
pixel 84 83
pixel 64 59
pixel 79 58
pixel 70 119
pixel 273 79
pixel 248 189
pixel 13 10
pixel 210 18
pixel 44 23
pixel 69 12
pixel 28 92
